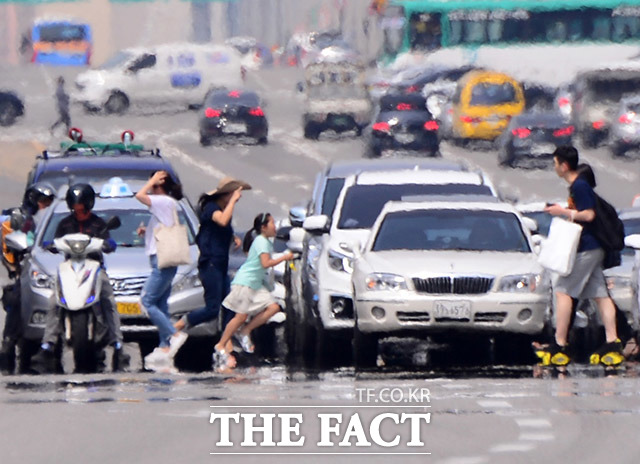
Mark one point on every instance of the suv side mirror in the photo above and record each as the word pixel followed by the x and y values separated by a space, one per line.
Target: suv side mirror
pixel 530 224
pixel 317 224
pixel 296 239
pixel 632 241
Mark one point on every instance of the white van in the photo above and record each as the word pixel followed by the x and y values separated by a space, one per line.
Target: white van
pixel 174 74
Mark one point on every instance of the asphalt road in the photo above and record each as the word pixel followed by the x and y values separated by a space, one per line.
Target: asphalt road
pixel 487 416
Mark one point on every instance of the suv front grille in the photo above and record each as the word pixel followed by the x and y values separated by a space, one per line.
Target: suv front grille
pixel 454 285
pixel 131 286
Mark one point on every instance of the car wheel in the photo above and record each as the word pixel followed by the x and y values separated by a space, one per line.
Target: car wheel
pixel 372 152
pixel 311 132
pixel 262 140
pixel 8 113
pixel 365 349
pixel 204 140
pixel 618 151
pixel 118 103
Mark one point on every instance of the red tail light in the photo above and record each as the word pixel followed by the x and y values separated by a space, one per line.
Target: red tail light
pixel 256 111
pixel 564 101
pixel 412 89
pixel 468 119
pixel 404 107
pixel 381 127
pixel 234 94
pixel 625 118
pixel 521 132
pixel 564 132
pixel 211 113
pixel 431 125
pixel 597 125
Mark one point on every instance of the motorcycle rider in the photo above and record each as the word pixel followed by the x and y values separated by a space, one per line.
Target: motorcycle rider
pixel 80 200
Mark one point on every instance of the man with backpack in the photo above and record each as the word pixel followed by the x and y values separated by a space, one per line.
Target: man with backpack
pixel 586 280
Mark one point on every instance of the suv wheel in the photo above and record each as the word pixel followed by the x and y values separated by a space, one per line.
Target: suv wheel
pixel 8 113
pixel 118 103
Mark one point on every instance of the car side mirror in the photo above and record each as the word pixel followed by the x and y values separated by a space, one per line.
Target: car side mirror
pixel 317 224
pixel 530 224
pixel 632 241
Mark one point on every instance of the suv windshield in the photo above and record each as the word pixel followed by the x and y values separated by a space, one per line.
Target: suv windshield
pixel 126 235
pixel 363 203
pixel 486 94
pixel 436 229
pixel 612 90
pixel 331 194
pixel 94 177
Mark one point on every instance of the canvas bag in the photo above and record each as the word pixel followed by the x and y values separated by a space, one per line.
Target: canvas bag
pixel 559 250
pixel 172 244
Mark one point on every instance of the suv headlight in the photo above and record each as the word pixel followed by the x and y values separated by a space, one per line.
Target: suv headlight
pixel 618 282
pixel 340 262
pixel 523 283
pixel 40 279
pixel 189 281
pixel 382 281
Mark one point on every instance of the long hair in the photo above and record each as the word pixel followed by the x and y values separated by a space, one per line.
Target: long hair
pixel 171 187
pixel 260 220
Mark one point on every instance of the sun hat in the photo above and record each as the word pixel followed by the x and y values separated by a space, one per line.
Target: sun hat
pixel 228 185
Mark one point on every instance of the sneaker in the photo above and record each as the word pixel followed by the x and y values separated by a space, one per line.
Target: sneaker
pixel 221 360
pixel 176 341
pixel 609 354
pixel 245 342
pixel 120 360
pixel 277 318
pixel 43 362
pixel 157 360
pixel 553 354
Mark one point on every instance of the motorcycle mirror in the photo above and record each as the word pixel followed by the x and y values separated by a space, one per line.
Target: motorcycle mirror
pixel 283 233
pixel 17 219
pixel 113 223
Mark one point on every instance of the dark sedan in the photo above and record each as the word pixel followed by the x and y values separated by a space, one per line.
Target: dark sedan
pixel 532 137
pixel 235 113
pixel 11 108
pixel 403 123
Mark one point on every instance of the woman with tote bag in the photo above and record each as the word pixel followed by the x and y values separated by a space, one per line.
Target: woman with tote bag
pixel 163 237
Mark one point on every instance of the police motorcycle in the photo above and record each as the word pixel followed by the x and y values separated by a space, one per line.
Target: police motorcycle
pixel 77 290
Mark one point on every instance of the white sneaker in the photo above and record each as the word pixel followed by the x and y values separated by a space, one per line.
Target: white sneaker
pixel 176 342
pixel 277 318
pixel 157 360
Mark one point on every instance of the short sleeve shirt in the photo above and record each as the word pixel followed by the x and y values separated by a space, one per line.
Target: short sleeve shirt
pixel 582 197
pixel 162 209
pixel 251 273
pixel 213 239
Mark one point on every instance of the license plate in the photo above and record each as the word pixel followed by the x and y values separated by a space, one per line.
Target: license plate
pixel 234 128
pixel 543 149
pixel 405 138
pixel 452 310
pixel 129 309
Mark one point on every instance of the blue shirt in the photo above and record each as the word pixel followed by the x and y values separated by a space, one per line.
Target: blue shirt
pixel 213 239
pixel 251 273
pixel 582 196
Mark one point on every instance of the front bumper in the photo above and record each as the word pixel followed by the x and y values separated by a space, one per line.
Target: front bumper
pixel 489 313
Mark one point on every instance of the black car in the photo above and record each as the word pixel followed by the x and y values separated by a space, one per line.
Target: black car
pixel 531 138
pixel 232 113
pixel 11 108
pixel 403 122
pixel 431 75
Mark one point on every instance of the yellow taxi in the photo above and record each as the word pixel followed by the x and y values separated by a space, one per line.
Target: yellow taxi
pixel 483 105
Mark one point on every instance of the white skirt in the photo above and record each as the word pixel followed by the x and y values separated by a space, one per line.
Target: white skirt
pixel 246 300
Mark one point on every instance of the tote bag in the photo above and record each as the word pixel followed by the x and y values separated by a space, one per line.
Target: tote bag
pixel 559 250
pixel 172 244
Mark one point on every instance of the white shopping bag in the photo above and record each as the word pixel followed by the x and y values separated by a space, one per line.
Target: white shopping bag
pixel 558 251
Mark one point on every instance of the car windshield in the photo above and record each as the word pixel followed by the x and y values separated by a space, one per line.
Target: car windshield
pixel 542 219
pixel 485 94
pixel 62 33
pixel 631 226
pixel 336 91
pixel 442 229
pixel 126 235
pixel 220 100
pixel 330 196
pixel 363 203
pixel 116 60
pixel 612 90
pixel 94 177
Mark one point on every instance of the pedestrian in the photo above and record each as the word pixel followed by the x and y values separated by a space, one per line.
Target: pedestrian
pixel 586 280
pixel 62 104
pixel 250 294
pixel 214 241
pixel 163 204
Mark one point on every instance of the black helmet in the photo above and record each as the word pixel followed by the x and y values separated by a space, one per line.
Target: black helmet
pixel 81 194
pixel 36 192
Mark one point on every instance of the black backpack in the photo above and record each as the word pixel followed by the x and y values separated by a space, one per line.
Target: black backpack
pixel 609 230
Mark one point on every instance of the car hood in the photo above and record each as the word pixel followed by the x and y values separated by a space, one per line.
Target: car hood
pixel 125 262
pixel 411 263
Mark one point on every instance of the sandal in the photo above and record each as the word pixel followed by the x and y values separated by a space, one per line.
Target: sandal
pixel 222 360
pixel 245 342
